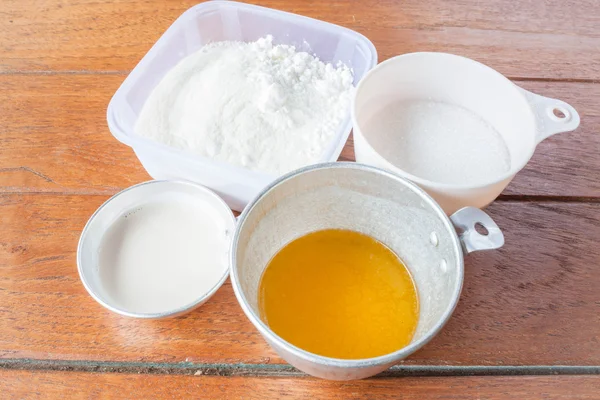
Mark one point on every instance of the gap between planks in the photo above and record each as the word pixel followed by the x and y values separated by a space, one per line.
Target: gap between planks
pixel 506 198
pixel 188 368
pixel 517 198
pixel 126 72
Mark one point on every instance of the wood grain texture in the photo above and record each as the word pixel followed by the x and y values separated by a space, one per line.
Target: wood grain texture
pixel 531 39
pixel 41 384
pixel 534 302
pixel 54 138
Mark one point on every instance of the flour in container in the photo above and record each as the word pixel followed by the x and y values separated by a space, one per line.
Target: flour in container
pixel 257 105
pixel 439 142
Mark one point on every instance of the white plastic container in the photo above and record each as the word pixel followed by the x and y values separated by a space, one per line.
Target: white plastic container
pixel 218 21
pixel 522 118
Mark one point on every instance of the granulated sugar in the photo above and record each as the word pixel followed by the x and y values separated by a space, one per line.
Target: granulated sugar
pixel 439 142
pixel 257 105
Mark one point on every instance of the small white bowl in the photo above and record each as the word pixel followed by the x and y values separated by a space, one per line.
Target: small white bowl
pixel 124 202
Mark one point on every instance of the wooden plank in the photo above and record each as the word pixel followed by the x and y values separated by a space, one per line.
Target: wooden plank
pixel 566 164
pixel 534 302
pixel 524 39
pixel 78 385
pixel 54 138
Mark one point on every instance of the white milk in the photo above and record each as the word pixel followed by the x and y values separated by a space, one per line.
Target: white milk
pixel 163 255
pixel 439 142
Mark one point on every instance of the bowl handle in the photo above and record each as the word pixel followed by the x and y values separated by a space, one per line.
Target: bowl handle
pixel 552 116
pixel 465 221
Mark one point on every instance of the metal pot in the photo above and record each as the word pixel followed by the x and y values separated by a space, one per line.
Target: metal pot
pixel 374 202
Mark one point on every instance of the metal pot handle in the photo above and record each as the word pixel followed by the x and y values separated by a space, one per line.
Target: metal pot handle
pixel 548 123
pixel 465 220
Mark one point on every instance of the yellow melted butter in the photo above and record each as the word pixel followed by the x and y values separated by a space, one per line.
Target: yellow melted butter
pixel 340 294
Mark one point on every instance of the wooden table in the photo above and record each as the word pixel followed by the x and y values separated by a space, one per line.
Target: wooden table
pixel 528 323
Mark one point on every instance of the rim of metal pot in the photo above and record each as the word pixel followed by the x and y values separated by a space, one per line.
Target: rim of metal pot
pixel 337 362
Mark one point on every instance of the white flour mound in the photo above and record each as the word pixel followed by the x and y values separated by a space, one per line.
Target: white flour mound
pixel 256 105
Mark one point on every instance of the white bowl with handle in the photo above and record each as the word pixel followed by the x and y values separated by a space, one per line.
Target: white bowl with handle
pixel 522 118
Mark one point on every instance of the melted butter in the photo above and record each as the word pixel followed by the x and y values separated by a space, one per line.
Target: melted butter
pixel 340 294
